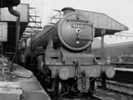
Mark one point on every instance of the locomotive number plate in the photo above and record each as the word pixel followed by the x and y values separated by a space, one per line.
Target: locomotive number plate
pixel 78 25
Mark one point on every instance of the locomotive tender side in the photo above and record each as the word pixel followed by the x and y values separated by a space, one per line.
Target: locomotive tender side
pixel 63 62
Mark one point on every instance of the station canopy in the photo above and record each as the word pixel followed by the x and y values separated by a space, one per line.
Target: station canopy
pixel 102 21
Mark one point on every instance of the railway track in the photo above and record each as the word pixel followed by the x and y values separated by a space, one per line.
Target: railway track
pixel 115 91
pixel 76 96
pixel 126 89
pixel 80 98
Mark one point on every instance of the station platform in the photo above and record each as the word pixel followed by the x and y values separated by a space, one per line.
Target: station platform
pixel 21 84
pixel 123 75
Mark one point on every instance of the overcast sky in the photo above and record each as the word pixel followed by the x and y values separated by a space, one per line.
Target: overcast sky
pixel 121 10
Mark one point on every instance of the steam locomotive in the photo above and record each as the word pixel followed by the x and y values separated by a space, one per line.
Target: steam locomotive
pixel 61 56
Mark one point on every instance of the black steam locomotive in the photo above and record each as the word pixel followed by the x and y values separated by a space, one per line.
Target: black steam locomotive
pixel 61 55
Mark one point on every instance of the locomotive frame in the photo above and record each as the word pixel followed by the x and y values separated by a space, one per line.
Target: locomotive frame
pixel 64 68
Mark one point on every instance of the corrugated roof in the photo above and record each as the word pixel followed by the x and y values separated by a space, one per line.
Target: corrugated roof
pixel 103 21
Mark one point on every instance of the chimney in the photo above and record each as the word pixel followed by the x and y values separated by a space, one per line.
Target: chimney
pixel 67 10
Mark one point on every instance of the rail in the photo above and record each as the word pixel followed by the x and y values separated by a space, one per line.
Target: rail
pixel 80 98
pixel 122 88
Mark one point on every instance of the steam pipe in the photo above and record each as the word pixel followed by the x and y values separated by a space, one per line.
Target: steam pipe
pixel 17 14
